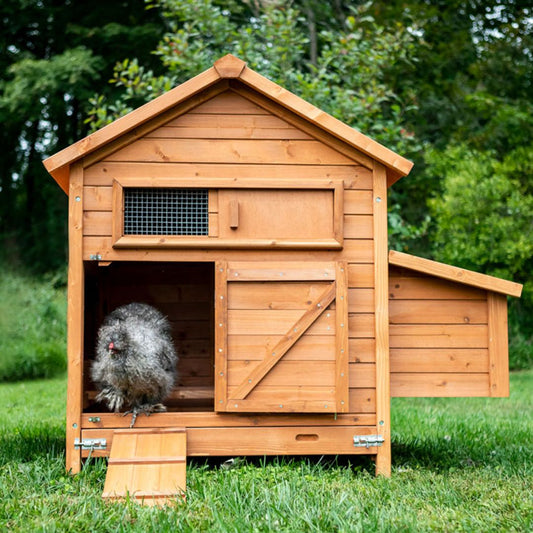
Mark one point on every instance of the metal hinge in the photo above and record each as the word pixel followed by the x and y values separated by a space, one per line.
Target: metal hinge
pixel 365 441
pixel 90 444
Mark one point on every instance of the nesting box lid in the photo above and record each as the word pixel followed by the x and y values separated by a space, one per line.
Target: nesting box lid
pixel 227 67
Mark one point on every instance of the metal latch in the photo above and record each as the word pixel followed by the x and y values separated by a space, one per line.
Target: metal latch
pixel 90 444
pixel 95 257
pixel 365 441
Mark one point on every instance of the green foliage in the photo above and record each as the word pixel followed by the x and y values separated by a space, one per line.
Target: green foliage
pixel 349 79
pixel 32 328
pixel 460 464
pixel 484 222
pixel 484 214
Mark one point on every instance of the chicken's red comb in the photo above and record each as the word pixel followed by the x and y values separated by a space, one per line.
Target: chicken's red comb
pixel 111 346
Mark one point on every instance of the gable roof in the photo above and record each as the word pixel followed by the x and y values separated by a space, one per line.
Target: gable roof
pixel 453 273
pixel 227 67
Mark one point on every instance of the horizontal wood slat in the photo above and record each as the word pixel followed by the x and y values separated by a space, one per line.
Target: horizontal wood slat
pixel 459 360
pixel 253 348
pixel 438 312
pixel 103 173
pixel 285 373
pixel 299 152
pixel 210 419
pixel 229 103
pixel 433 384
pixel 355 251
pixel 438 336
pixel 426 288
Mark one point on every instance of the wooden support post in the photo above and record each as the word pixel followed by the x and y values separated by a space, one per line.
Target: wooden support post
pixel 381 276
pixel 75 319
pixel 221 335
pixel 498 345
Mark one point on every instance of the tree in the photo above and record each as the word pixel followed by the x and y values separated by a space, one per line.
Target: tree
pixel 54 55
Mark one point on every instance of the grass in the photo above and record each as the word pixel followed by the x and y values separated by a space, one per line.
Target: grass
pixel 32 326
pixel 458 465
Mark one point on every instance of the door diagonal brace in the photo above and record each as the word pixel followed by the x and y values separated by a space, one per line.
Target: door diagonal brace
pixel 286 343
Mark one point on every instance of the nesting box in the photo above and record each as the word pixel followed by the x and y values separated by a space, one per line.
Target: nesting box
pixel 258 224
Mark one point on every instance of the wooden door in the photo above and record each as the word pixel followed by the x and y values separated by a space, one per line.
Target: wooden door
pixel 281 337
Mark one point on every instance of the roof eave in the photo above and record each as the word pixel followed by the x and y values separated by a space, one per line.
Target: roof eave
pixel 453 273
pixel 227 67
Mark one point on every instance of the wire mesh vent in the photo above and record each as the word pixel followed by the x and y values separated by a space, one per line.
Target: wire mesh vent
pixel 160 211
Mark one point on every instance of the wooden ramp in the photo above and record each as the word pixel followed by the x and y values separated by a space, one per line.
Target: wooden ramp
pixel 147 465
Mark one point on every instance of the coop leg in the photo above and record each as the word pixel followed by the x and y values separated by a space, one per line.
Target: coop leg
pixel 383 460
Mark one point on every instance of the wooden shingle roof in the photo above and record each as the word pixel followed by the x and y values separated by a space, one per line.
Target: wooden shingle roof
pixel 227 67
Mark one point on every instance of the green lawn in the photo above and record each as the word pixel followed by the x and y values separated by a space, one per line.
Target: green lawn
pixel 458 465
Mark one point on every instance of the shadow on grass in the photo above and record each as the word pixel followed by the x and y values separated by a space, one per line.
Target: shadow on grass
pixel 29 443
pixel 358 463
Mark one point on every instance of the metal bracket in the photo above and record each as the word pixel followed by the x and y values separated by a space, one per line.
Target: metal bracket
pixel 365 441
pixel 95 257
pixel 90 444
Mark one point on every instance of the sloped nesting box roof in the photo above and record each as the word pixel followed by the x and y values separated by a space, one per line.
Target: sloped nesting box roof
pixel 228 67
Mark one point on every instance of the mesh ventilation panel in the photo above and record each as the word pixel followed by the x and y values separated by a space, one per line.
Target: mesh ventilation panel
pixel 158 211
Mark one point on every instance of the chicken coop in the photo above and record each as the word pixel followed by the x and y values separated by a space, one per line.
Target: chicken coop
pixel 257 224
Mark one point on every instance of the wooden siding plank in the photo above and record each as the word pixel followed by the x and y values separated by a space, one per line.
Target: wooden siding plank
pixel 433 384
pixel 361 275
pixel 229 103
pixel 253 347
pixel 97 223
pixel 438 336
pixel 358 227
pixel 362 375
pixel 217 132
pixel 437 312
pixel 103 173
pixel 362 400
pixel 229 151
pixel 358 202
pixel 210 419
pixel 268 295
pixel 97 198
pixel 275 441
pixel 229 121
pixel 355 250
pixel 276 271
pixel 274 322
pixel 362 350
pixel 426 288
pixel 498 345
pixel 361 300
pixel 362 325
pixel 283 374
pixel 457 360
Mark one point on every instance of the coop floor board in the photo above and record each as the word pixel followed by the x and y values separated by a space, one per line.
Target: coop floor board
pixel 289 440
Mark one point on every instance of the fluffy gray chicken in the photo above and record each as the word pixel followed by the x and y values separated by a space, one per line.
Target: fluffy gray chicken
pixel 135 366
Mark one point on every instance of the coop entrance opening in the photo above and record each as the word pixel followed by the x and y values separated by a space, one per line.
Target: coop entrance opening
pixel 184 292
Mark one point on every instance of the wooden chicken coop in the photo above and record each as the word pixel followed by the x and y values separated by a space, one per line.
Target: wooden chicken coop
pixel 258 224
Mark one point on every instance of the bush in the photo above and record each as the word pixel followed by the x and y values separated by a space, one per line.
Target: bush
pixel 32 327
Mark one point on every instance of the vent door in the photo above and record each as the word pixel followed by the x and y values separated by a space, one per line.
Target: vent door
pixel 281 337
